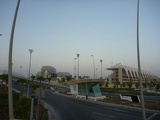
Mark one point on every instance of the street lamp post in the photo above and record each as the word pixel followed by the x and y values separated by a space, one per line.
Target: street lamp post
pixel 139 66
pixel 30 51
pixel 10 96
pixel 75 68
pixel 101 68
pixel 93 65
pixel 96 73
pixel 78 66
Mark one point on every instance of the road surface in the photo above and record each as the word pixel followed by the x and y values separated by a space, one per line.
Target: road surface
pixel 68 108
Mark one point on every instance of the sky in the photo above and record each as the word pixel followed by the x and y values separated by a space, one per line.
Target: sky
pixel 57 30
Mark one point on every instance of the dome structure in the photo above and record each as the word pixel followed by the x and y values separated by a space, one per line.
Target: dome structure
pixel 47 71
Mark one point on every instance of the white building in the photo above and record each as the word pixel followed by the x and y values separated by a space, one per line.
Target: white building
pixel 125 74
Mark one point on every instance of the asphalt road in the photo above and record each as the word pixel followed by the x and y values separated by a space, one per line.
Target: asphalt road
pixel 68 108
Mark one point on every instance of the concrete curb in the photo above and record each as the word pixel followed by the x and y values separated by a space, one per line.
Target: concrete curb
pixel 51 113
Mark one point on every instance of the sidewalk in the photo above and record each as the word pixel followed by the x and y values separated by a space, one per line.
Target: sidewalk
pixel 51 113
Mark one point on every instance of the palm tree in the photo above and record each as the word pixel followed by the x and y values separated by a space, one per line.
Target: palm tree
pixel 130 85
pixel 34 87
pixel 106 85
pixel 68 78
pixel 124 84
pixel 157 88
pixel 33 77
pixel 49 79
pixel 116 85
pixel 137 84
pixel 41 78
pixel 23 83
pixel 144 85
pixel 4 78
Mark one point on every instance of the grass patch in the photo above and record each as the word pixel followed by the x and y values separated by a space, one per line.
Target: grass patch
pixel 130 91
pixel 148 105
pixel 21 106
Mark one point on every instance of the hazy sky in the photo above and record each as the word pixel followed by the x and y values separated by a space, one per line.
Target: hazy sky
pixel 59 29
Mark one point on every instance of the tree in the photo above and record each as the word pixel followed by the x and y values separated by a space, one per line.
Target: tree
pixel 130 84
pixel 4 78
pixel 157 88
pixel 23 83
pixel 68 78
pixel 41 78
pixel 33 77
pixel 137 84
pixel 116 85
pixel 34 87
pixel 106 85
pixel 151 84
pixel 49 80
pixel 144 85
pixel 63 80
pixel 124 85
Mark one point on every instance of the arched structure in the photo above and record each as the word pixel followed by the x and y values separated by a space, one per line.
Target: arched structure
pixel 47 71
pixel 125 74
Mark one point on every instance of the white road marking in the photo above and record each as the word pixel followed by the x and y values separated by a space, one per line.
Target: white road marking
pixel 152 116
pixel 116 109
pixel 119 110
pixel 104 115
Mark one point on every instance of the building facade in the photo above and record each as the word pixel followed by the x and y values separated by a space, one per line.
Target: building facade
pixel 124 74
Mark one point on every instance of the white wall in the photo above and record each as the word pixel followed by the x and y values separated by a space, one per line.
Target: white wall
pixel 74 89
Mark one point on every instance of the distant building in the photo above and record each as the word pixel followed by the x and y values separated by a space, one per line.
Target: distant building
pixel 47 71
pixel 125 74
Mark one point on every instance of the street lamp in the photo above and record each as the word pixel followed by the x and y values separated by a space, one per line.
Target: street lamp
pixel 96 73
pixel 30 51
pixel 93 65
pixel 78 66
pixel 101 68
pixel 139 66
pixel 75 68
pixel 10 96
pixel 20 69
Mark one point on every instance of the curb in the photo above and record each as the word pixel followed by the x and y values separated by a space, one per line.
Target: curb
pixel 51 113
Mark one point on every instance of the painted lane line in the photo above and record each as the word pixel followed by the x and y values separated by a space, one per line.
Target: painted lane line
pixel 152 116
pixel 110 116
